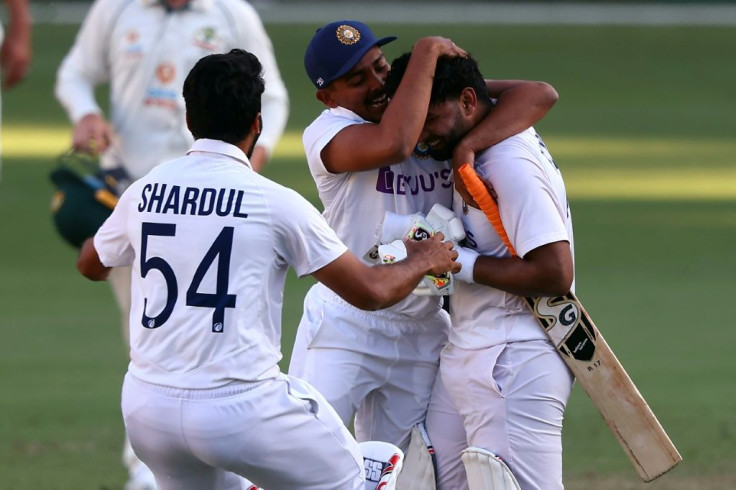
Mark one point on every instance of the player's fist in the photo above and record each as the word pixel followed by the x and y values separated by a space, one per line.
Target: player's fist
pixel 439 258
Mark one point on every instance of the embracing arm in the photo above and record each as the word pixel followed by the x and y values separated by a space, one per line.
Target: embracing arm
pixel 544 271
pixel 519 105
pixel 368 146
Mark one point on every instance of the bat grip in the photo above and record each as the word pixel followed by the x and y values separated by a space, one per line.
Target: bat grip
pixel 480 193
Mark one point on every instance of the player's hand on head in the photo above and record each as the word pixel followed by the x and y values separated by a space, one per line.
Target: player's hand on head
pixel 441 46
pixel 438 255
pixel 92 134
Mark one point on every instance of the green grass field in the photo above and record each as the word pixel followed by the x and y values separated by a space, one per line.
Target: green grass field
pixel 644 134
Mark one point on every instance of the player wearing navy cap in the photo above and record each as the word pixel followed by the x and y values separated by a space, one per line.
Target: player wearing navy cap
pixel 209 241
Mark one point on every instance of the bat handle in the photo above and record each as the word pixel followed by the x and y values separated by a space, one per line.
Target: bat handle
pixel 480 193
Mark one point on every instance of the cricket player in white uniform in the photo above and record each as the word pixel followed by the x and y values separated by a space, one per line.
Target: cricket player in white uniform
pixel 143 49
pixel 210 241
pixel 379 367
pixel 505 378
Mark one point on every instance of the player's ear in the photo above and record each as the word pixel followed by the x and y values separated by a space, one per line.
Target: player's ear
pixel 324 95
pixel 257 125
pixel 468 101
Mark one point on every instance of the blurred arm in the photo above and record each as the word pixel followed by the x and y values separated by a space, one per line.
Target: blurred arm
pixel 16 54
pixel 275 99
pixel 88 263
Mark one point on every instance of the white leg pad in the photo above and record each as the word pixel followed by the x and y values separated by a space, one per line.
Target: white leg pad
pixel 383 462
pixel 418 472
pixel 486 471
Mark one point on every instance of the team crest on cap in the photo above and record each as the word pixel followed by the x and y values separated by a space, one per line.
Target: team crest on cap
pixel 348 34
pixel 421 151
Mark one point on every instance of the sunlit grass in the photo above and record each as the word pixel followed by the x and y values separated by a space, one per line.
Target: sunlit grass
pixel 594 168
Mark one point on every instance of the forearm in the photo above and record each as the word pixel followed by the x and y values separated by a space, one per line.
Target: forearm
pixel 403 120
pixel 19 23
pixel 546 271
pixel 75 93
pixel 259 158
pixel 275 113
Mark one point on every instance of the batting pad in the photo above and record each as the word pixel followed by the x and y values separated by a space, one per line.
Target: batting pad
pixel 418 472
pixel 383 462
pixel 486 471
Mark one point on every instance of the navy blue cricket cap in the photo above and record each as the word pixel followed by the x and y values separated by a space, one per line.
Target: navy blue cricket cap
pixel 336 48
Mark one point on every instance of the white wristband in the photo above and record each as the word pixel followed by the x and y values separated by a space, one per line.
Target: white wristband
pixel 466 257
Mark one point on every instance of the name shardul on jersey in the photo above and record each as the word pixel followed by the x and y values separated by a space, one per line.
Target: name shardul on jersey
pixel 172 199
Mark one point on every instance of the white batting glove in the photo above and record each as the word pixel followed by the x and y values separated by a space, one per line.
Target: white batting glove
pixel 429 285
pixel 466 257
pixel 444 220
pixel 400 226
pixel 396 227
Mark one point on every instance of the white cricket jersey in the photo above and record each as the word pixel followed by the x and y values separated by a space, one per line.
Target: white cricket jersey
pixel 355 202
pixel 533 204
pixel 146 53
pixel 210 241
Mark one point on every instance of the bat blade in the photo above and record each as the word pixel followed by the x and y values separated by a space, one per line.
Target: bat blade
pixel 605 381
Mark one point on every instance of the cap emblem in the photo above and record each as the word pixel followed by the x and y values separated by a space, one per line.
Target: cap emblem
pixel 348 34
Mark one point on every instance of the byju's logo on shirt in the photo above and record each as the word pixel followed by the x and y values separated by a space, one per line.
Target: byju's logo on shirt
pixel 389 182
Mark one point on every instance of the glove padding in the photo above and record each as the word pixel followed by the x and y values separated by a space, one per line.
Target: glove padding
pixel 397 227
pixel 429 285
pixel 418 227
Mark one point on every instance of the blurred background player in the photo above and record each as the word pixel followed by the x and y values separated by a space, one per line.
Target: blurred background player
pixel 143 49
pixel 204 399
pixel 16 52
pixel 501 372
pixel 379 367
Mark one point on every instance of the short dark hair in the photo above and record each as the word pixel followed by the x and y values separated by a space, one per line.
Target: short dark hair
pixel 453 74
pixel 223 95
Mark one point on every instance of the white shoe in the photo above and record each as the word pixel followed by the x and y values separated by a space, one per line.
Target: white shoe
pixel 142 479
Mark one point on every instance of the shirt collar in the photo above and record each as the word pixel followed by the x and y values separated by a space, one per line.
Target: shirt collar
pixel 193 4
pixel 217 146
pixel 341 111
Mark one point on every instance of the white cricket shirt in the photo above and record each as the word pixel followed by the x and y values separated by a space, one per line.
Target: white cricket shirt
pixel 210 241
pixel 533 204
pixel 145 53
pixel 355 202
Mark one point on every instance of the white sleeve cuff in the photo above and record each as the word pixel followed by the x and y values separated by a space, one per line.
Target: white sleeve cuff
pixel 466 257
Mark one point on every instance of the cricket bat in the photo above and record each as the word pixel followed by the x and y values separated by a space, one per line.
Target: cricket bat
pixel 592 362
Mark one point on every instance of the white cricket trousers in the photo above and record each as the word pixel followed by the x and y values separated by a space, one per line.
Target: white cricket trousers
pixel 279 433
pixel 511 399
pixel 378 366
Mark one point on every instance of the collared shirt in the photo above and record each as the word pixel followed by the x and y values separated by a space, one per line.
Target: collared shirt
pixel 210 241
pixel 145 52
pixel 355 202
pixel 534 210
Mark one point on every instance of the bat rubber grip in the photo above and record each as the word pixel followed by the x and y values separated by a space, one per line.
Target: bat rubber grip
pixel 478 190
